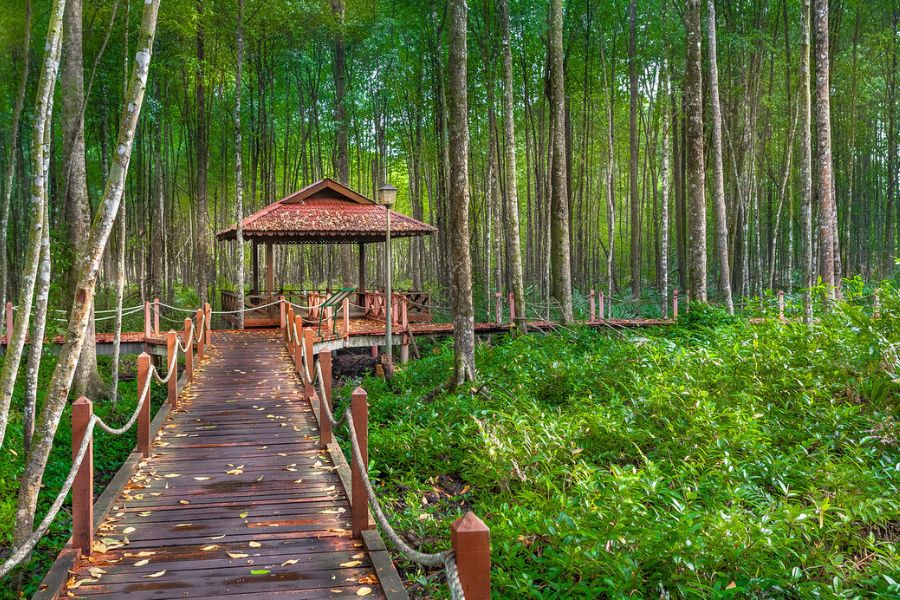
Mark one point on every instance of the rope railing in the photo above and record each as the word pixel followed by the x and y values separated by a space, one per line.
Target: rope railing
pixel 469 536
pixel 84 423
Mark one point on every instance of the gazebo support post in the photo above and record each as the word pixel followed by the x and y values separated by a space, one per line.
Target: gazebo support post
pixel 362 274
pixel 255 252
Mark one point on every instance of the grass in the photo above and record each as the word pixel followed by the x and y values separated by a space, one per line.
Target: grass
pixel 714 458
pixel 109 454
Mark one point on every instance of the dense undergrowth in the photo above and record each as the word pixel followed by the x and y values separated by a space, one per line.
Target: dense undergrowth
pixel 109 454
pixel 712 458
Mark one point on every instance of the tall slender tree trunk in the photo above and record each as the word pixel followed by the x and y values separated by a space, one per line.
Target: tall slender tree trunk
pixel 560 259
pixel 460 263
pixel 88 263
pixel 87 380
pixel 239 162
pixel 342 150
pixel 824 180
pixel 889 221
pixel 11 164
pixel 633 163
pixel 512 195
pixel 664 202
pixel 202 148
pixel 610 174
pixel 806 231
pixel 693 96
pixel 718 171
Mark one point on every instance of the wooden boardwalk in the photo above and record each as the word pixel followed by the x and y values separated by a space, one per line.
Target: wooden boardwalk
pixel 236 498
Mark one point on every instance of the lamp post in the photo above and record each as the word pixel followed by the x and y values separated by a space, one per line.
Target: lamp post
pixel 387 195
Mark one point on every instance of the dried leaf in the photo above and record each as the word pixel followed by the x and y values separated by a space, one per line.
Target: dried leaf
pixel 237 554
pixel 201 478
pixel 128 530
pixel 142 562
pixel 364 591
pixel 244 514
pixel 171 475
pixel 155 575
pixel 352 563
pixel 144 554
pixel 210 547
pixel 75 584
pixel 292 561
pixel 255 545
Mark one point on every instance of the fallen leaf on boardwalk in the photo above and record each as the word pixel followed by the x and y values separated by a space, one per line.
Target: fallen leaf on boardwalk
pixel 234 471
pixel 352 563
pixel 141 563
pixel 171 475
pixel 78 583
pixel 155 575
pixel 96 572
pixel 260 478
pixel 180 525
pixel 255 545
pixel 237 554
pixel 98 546
pixel 290 469
pixel 317 464
pixel 128 530
pixel 336 591
pixel 364 591
pixel 259 572
pixel 146 513
pixel 201 478
pixel 183 502
pixel 368 579
pixel 299 481
pixel 216 537
pixel 359 555
pixel 329 489
pixel 292 561
pixel 144 554
pixel 244 514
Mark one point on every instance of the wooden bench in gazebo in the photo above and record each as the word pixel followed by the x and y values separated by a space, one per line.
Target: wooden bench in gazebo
pixel 325 212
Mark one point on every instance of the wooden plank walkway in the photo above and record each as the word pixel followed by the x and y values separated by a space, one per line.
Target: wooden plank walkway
pixel 236 499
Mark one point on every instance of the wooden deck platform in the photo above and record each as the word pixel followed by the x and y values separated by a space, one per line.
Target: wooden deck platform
pixel 236 498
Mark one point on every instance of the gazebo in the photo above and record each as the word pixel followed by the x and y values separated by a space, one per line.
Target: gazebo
pixel 326 212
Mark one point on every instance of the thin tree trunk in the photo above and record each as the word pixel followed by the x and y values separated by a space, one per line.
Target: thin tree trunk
pixel 664 205
pixel 806 232
pixel 88 263
pixel 693 94
pixel 342 150
pixel 633 163
pixel 560 259
pixel 120 297
pixel 824 181
pixel 718 172
pixel 460 263
pixel 202 146
pixel 11 165
pixel 238 163
pixel 512 196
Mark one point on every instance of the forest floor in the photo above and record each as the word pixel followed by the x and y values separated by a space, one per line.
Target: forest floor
pixel 109 454
pixel 716 457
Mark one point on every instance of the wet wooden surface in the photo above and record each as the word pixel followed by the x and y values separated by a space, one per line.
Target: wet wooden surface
pixel 236 499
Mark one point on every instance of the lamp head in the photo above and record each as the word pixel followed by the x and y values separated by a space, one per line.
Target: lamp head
pixel 387 195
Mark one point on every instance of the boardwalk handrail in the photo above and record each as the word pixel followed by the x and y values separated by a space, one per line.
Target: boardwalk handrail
pixel 467 564
pixel 84 421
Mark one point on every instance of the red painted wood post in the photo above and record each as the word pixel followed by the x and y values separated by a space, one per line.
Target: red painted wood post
pixel 675 303
pixel 198 333
pixel 147 329
pixel 298 347
pixel 780 305
pixel 593 308
pixel 188 339
pixel 359 505
pixel 156 315
pixel 9 322
pixel 471 541
pixel 876 306
pixel 498 309
pixel 171 341
pixel 346 308
pixel 143 424
pixel 288 333
pixel 83 486
pixel 208 323
pixel 309 338
pixel 404 314
pixel 325 437
pixel 282 316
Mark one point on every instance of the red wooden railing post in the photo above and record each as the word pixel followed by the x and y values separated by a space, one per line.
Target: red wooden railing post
pixel 171 341
pixel 309 338
pixel 147 329
pixel 298 347
pixel 156 315
pixel 83 486
pixel 198 333
pixel 208 323
pixel 188 338
pixel 346 318
pixel 143 424
pixel 780 305
pixel 675 303
pixel 324 423
pixel 9 322
pixel 471 541
pixel 593 308
pixel 359 504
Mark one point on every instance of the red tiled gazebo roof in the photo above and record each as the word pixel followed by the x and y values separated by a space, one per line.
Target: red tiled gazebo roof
pixel 325 212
